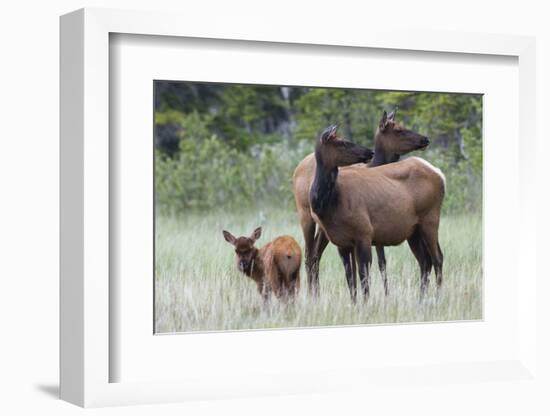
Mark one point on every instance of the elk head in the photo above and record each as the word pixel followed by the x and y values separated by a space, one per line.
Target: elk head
pixel 333 151
pixel 392 140
pixel 244 249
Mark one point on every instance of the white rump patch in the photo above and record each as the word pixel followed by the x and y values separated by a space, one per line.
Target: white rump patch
pixel 436 170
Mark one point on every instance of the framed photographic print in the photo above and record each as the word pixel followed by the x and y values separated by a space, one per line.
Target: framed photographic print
pixel 238 212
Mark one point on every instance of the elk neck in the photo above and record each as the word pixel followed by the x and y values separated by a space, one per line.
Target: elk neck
pixel 323 194
pixel 381 158
pixel 256 270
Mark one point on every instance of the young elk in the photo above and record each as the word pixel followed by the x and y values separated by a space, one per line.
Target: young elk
pixel 357 208
pixel 275 267
pixel 391 141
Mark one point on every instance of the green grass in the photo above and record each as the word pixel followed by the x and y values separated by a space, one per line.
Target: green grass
pixel 198 288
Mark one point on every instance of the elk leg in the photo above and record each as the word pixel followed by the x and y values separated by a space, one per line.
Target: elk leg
pixel 353 269
pixel 382 266
pixel 319 246
pixel 292 285
pixel 423 258
pixel 296 281
pixel 364 258
pixel 439 277
pixel 278 286
pixel 264 292
pixel 347 260
pixel 308 229
pixel 430 240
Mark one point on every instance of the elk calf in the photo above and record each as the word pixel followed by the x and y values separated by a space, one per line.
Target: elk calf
pixel 275 267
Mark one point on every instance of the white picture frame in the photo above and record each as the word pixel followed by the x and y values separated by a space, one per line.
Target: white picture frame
pixel 86 356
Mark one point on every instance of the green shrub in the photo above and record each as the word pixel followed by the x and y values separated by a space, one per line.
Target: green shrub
pixel 210 174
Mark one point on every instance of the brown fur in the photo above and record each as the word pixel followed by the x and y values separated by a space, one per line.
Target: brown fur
pixel 383 206
pixel 391 141
pixel 275 267
pixel 386 203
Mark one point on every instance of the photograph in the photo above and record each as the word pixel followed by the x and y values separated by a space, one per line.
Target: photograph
pixel 282 206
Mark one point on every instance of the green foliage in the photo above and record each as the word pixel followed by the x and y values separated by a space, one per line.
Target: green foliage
pixel 349 109
pixel 235 145
pixel 169 117
pixel 211 174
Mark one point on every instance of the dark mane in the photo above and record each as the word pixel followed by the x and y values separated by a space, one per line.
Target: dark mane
pixel 323 194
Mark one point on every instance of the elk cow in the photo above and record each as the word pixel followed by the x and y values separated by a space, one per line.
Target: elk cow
pixel 391 141
pixel 275 267
pixel 357 208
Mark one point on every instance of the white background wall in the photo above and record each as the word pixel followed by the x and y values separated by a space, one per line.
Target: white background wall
pixel 29 187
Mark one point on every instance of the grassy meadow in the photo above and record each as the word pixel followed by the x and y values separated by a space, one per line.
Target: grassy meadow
pixel 224 159
pixel 198 287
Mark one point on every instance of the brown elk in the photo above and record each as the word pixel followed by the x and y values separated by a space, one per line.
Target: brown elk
pixel 275 267
pixel 391 141
pixel 357 208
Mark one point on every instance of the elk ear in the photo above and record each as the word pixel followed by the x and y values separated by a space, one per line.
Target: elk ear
pixel 256 234
pixel 328 134
pixel 391 116
pixel 230 238
pixel 383 121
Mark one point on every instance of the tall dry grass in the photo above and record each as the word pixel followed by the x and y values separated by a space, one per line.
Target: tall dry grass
pixel 197 286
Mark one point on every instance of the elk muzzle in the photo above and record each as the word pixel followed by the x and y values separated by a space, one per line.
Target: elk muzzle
pixel 368 155
pixel 243 265
pixel 424 142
